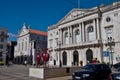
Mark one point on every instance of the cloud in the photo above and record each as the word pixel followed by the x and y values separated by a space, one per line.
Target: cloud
pixel 12 35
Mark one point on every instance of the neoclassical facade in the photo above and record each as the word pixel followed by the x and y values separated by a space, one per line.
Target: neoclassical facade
pixel 85 34
pixel 29 43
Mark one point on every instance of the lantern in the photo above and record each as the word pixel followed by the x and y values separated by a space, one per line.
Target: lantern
pixel 38 57
pixel 45 56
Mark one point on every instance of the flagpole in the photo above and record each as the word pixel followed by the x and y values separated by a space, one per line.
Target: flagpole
pixel 78 4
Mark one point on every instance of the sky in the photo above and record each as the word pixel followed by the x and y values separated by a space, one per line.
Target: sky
pixel 38 14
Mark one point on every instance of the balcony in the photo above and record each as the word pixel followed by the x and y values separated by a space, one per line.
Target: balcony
pixel 95 43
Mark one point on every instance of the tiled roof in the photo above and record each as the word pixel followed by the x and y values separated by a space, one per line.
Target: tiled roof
pixel 38 32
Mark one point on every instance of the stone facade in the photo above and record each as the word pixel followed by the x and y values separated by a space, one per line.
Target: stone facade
pixel 3 44
pixel 29 42
pixel 85 34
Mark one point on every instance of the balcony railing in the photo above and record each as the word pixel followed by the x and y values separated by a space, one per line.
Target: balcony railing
pixel 94 43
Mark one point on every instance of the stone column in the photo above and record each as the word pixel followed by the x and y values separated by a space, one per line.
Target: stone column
pixel 98 29
pixel 83 32
pixel 94 28
pixel 71 35
pixel 33 53
pixel 60 36
pixel 80 29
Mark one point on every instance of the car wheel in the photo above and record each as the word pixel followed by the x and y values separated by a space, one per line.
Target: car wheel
pixel 91 78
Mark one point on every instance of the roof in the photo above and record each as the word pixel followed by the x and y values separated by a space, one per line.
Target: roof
pixel 38 32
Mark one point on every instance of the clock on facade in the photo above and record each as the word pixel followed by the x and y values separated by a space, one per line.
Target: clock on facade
pixel 108 19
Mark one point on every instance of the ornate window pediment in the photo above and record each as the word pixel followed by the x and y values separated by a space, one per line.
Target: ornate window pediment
pixel 90 29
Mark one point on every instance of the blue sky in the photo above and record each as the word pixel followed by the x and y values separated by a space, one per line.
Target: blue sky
pixel 39 14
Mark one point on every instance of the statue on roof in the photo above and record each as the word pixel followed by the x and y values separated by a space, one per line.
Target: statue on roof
pixel 24 25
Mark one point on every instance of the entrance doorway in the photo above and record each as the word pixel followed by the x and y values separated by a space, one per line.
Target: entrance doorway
pixel 64 58
pixel 75 58
pixel 89 56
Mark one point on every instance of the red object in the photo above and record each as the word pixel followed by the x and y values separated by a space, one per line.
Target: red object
pixel 37 57
pixel 94 61
pixel 46 49
pixel 45 56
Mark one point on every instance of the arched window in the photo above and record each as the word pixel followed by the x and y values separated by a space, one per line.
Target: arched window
pixel 75 58
pixel 64 58
pixel 66 38
pixel 77 36
pixel 90 29
pixel 91 35
pixel 89 55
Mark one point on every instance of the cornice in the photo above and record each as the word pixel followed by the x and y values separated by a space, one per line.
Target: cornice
pixel 95 10
pixel 80 47
pixel 23 35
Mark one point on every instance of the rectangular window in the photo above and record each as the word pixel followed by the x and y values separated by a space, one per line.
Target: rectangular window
pixel 2 39
pixel 67 40
pixel 57 44
pixel 1 46
pixel 2 33
pixel 43 37
pixel 51 43
pixel 0 54
pixel 108 32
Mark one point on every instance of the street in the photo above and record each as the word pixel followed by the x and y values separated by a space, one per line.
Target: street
pixel 15 72
pixel 21 72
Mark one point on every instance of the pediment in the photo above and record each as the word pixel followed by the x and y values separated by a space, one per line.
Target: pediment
pixel 23 31
pixel 72 15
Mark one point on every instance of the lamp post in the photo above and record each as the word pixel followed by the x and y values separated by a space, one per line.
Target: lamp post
pixel 60 63
pixel 110 44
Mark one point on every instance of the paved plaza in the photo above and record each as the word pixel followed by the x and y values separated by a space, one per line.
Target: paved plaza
pixel 21 72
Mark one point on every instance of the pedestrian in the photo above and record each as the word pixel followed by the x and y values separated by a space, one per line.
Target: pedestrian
pixel 97 61
pixel 81 63
pixel 25 62
pixel 94 61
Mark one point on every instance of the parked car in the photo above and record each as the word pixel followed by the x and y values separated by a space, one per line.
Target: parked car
pixel 92 72
pixel 116 65
pixel 115 76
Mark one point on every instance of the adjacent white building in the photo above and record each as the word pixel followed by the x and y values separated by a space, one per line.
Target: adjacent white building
pixel 3 44
pixel 29 42
pixel 84 34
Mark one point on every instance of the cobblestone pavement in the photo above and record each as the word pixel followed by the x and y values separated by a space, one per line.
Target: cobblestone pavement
pixel 21 72
pixel 61 78
pixel 15 72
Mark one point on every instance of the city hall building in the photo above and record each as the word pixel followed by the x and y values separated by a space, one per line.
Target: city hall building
pixel 85 34
pixel 29 43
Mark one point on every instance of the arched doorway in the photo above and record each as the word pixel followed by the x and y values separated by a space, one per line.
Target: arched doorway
pixel 89 55
pixel 64 58
pixel 75 58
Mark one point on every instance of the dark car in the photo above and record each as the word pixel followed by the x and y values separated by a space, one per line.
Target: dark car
pixel 116 65
pixel 115 75
pixel 92 72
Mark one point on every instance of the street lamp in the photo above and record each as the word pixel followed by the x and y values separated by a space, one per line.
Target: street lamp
pixel 110 44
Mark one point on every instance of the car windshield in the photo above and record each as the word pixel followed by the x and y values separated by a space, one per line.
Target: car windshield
pixel 118 69
pixel 89 67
